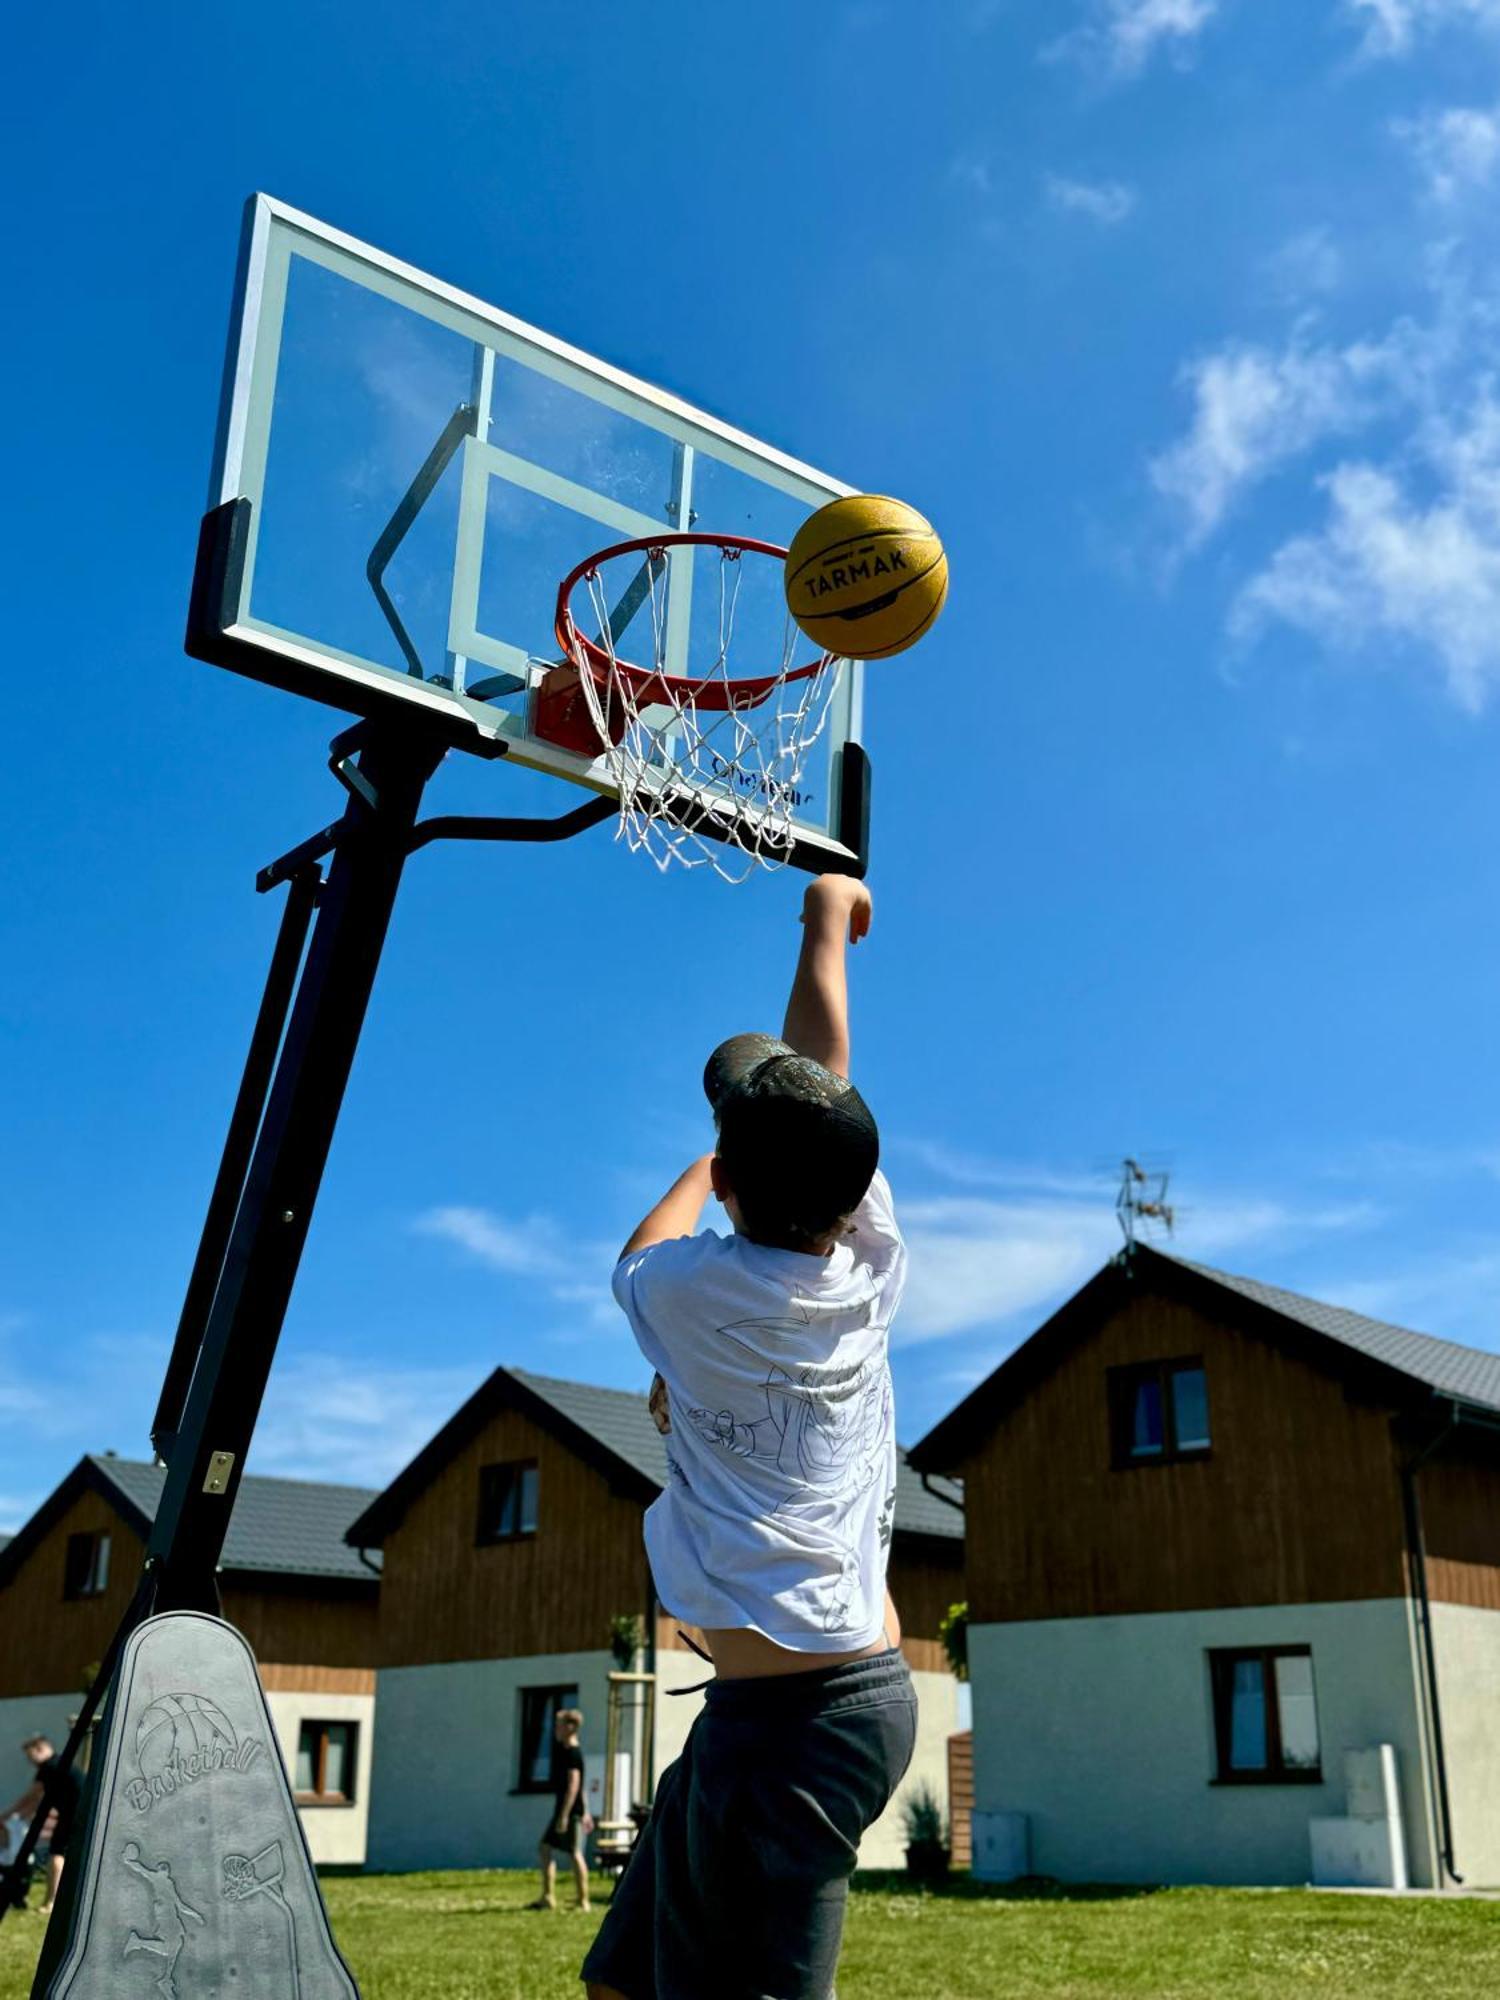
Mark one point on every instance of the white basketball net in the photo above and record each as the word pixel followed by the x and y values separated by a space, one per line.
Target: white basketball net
pixel 742 769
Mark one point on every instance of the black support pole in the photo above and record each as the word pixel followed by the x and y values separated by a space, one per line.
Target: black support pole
pixel 270 1227
pixel 244 1123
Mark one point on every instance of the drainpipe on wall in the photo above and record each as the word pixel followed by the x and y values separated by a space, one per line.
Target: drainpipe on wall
pixel 649 1752
pixel 1417 1551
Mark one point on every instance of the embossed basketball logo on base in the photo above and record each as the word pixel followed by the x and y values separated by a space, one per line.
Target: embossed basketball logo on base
pixel 194 1880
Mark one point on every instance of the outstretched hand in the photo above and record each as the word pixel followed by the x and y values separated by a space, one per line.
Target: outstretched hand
pixel 840 900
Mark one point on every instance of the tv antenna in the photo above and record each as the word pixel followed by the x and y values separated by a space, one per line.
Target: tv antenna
pixel 1142 1200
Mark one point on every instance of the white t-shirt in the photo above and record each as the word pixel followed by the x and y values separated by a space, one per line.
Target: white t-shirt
pixel 779 1509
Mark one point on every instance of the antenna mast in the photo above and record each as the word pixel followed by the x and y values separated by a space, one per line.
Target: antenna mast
pixel 1142 1199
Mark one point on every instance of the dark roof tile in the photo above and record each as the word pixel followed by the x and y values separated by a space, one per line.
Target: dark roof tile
pixel 1466 1372
pixel 620 1420
pixel 284 1527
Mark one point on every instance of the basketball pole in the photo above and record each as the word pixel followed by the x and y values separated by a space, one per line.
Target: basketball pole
pixel 280 1135
pixel 260 1258
pixel 206 1459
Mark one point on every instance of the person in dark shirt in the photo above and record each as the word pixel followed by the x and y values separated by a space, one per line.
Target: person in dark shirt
pixel 66 1789
pixel 570 1824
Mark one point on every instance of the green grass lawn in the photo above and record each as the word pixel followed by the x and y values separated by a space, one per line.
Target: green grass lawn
pixel 469 1937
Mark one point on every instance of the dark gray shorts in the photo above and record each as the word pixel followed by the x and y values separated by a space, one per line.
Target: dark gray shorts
pixel 570 1842
pixel 736 1888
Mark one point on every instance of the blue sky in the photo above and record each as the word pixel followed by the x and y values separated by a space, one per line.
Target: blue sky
pixel 1178 316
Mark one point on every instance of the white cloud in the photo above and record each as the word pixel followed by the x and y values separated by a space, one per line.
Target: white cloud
pixel 341 1420
pixel 1108 202
pixel 1255 409
pixel 1306 266
pixel 1455 1295
pixel 963 1169
pixel 1391 27
pixel 1407 556
pixel 1121 36
pixel 973 171
pixel 93 1392
pixel 533 1248
pixel 1400 1160
pixel 979 1262
pixel 1457 149
pixel 974 1263
pixel 538 1248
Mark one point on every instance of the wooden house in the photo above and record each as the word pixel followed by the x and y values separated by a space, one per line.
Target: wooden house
pixel 1233 1563
pixel 511 1544
pixel 289 1581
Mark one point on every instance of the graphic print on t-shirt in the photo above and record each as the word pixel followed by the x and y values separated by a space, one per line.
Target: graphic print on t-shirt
pixel 782 1456
pixel 822 1426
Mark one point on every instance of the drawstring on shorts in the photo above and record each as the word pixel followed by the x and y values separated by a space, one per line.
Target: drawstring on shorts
pixel 698 1686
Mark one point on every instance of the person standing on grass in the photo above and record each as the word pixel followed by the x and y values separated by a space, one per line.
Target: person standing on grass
pixel 66 1788
pixel 774 1530
pixel 569 1826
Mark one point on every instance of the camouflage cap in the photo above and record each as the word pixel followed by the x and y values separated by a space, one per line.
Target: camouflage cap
pixel 793 1130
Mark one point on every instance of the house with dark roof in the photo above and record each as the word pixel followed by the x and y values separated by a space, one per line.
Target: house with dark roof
pixel 304 1598
pixel 510 1546
pixel 1233 1564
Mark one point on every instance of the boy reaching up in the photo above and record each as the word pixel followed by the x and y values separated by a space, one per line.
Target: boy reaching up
pixel 774 1530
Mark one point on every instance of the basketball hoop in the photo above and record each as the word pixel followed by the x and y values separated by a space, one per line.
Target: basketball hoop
pixel 709 763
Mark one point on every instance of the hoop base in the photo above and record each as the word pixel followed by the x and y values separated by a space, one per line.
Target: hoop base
pixel 562 714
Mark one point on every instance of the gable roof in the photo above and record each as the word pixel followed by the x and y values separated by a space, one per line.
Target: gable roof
pixel 1466 1372
pixel 279 1527
pixel 612 1429
pixel 1400 1366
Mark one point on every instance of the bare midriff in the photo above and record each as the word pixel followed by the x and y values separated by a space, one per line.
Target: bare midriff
pixel 739 1655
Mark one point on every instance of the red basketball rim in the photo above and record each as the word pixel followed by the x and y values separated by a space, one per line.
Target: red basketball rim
pixel 646 683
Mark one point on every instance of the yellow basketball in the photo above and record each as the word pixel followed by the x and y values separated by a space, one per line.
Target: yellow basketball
pixel 866 576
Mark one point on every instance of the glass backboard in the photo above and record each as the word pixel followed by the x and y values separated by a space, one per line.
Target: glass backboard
pixel 404 475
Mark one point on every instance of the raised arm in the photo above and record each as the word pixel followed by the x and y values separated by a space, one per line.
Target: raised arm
pixel 835 909
pixel 678 1211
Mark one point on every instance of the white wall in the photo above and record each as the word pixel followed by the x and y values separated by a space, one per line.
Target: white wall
pixel 884 1844
pixel 1467 1644
pixel 1100 1730
pixel 676 1713
pixel 446 1755
pixel 44 1715
pixel 335 1834
pixel 39 1715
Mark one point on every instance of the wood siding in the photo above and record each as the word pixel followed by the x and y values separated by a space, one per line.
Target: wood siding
pixel 332 1625
pixel 1460 1497
pixel 925 1577
pixel 1298 1502
pixel 667 1635
pixel 961 1799
pixel 46 1641
pixel 283 1679
pixel 443 1598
